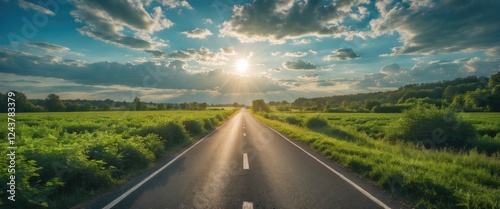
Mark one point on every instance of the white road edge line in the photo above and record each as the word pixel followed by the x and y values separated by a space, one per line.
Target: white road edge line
pixel 247 205
pixel 127 193
pixel 245 162
pixel 367 194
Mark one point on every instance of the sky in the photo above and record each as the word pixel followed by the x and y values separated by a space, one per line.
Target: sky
pixel 188 50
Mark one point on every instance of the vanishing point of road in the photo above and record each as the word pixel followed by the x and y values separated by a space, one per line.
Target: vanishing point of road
pixel 245 164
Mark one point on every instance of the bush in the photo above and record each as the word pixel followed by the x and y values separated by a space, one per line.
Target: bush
pixel 193 127
pixel 293 120
pixel 316 122
pixel 135 156
pixel 390 108
pixel 170 132
pixel 207 124
pixel 432 127
pixel 176 133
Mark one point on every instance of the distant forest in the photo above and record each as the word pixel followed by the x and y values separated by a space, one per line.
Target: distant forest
pixel 53 103
pixel 471 94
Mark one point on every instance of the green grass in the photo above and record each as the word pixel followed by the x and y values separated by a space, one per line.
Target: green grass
pixel 65 158
pixel 425 178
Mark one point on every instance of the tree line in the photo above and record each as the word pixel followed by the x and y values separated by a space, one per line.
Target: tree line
pixel 53 103
pixel 470 94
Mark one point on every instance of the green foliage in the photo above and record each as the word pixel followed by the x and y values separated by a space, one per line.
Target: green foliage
pixel 371 104
pixel 63 158
pixel 193 127
pixel 467 94
pixel 54 104
pixel 293 120
pixel 439 178
pixel 390 108
pixel 316 122
pixel 259 105
pixel 207 124
pixel 432 127
pixel 494 80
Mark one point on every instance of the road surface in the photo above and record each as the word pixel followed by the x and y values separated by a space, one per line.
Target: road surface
pixel 245 164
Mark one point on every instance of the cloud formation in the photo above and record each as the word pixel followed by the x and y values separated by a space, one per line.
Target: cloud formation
pixel 107 20
pixel 47 47
pixel 175 3
pixel 198 33
pixel 295 54
pixel 432 71
pixel 428 27
pixel 27 5
pixel 298 65
pixel 203 55
pixel 275 21
pixel 309 76
pixel 342 54
pixel 161 75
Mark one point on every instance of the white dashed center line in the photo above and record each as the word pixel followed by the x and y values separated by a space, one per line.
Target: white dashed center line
pixel 247 205
pixel 244 134
pixel 245 162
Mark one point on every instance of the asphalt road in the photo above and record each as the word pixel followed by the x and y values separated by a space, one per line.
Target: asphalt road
pixel 245 164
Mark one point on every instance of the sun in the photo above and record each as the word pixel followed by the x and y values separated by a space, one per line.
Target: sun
pixel 242 65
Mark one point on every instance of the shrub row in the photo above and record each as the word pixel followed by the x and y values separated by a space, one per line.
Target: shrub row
pixel 68 160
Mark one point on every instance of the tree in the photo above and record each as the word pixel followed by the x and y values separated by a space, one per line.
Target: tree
pixel 450 92
pixel 161 107
pixel 106 107
pixel 494 80
pixel 195 106
pixel 494 100
pixel 260 105
pixel 203 106
pixel 138 105
pixel 371 104
pixel 86 106
pixel 3 102
pixel 54 104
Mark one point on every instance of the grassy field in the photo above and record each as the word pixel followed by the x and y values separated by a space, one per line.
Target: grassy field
pixel 427 178
pixel 65 158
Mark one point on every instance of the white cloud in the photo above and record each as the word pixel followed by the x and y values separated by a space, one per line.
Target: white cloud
pixel 27 5
pixel 276 21
pixel 106 21
pixel 203 55
pixel 301 41
pixel 208 21
pixel 47 47
pixel 428 27
pixel 298 64
pixel 342 54
pixel 295 54
pixel 198 33
pixel 176 3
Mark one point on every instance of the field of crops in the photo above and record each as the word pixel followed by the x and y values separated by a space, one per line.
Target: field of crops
pixel 64 158
pixel 427 178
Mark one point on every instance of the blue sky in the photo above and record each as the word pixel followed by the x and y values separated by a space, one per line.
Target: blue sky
pixel 184 51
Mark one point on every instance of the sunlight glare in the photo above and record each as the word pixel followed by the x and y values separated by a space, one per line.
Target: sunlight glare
pixel 242 65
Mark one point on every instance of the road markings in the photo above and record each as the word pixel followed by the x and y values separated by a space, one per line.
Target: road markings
pixel 245 162
pixel 371 197
pixel 247 205
pixel 244 134
pixel 127 193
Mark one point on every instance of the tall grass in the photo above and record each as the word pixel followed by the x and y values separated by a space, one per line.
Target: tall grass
pixel 426 178
pixel 64 158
